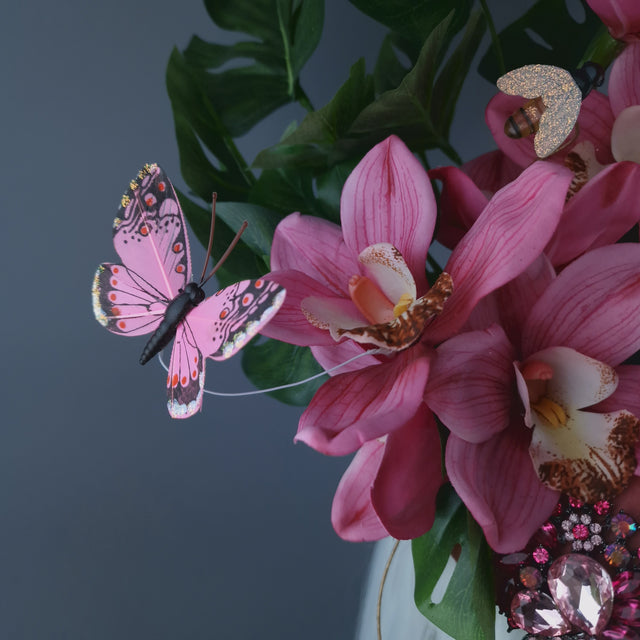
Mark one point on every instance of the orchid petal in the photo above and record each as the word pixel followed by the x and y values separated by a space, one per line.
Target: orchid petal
pixel 578 381
pixel 385 264
pixel 352 514
pixel 404 491
pixel 507 237
pixel 315 247
pixel 461 202
pixel 470 384
pixel 523 392
pixel 626 395
pixel 497 483
pixel 611 196
pixel 289 324
pixel 388 198
pixel 331 313
pixel 491 171
pixel 622 17
pixel 592 457
pixel 353 408
pixel 592 307
pixel 624 82
pixel 337 355
pixel 625 136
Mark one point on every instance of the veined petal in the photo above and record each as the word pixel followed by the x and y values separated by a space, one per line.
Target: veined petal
pixel 461 202
pixel 315 247
pixel 404 491
pixel 626 395
pixel 470 385
pixel 592 307
pixel 578 381
pixel 624 82
pixel 388 198
pixel 612 195
pixel 338 354
pixel 331 313
pixel 592 457
pixel 491 171
pixel 289 324
pixel 622 17
pixel 498 484
pixel 353 408
pixel 352 514
pixel 508 236
pixel 385 264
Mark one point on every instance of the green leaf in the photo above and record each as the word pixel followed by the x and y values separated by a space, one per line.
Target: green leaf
pixel 242 264
pixel 317 142
pixel 415 20
pixel 389 71
pixel 262 223
pixel 405 111
pixel 329 188
pixel 272 363
pixel 196 125
pixel 453 74
pixel 546 34
pixel 285 191
pixel 472 579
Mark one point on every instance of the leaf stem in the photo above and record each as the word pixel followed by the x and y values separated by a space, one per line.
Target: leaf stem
pixel 303 98
pixel 494 37
pixel 382 581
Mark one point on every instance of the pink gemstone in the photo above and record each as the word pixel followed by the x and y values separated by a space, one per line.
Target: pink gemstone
pixel 536 613
pixel 530 577
pixel 627 584
pixel 582 589
pixel 575 503
pixel 540 555
pixel 580 532
pixel 619 633
pixel 627 612
pixel 602 507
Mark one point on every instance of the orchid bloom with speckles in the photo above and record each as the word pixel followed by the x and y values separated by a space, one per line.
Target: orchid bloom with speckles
pixel 335 281
pixel 537 398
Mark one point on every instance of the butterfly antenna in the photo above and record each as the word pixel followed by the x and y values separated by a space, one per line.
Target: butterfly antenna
pixel 225 255
pixel 210 245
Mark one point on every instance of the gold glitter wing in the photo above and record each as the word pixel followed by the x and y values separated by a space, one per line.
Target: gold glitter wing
pixel 561 96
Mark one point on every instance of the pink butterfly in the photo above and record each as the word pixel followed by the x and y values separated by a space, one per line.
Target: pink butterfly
pixel 151 291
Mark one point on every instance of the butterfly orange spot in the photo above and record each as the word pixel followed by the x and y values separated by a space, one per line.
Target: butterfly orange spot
pixel 112 297
pixel 195 359
pixel 115 311
pixel 223 314
pixel 115 270
pixel 177 247
pixel 168 380
pixel 258 284
pixel 194 374
pixel 184 380
pixel 246 300
pixel 161 186
pixel 180 268
pixel 174 380
pixel 122 324
pixel 144 230
pixel 114 282
pixel 149 201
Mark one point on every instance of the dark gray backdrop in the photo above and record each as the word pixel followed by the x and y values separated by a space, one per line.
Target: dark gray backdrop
pixel 117 522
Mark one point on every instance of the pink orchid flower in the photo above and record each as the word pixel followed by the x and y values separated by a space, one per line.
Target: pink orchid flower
pixel 388 210
pixel 605 158
pixel 540 403
pixel 622 17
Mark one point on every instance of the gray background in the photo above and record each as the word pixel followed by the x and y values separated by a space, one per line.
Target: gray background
pixel 115 521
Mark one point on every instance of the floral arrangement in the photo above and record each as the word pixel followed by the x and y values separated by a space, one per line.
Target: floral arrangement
pixel 490 397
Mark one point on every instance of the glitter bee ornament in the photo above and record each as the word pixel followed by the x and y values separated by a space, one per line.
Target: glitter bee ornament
pixel 555 97
pixel 151 291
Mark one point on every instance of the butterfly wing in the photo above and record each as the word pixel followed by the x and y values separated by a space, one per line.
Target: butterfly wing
pixel 561 96
pixel 149 233
pixel 124 303
pixel 217 328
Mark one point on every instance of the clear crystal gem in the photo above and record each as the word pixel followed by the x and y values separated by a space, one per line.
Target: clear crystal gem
pixel 582 589
pixel 536 613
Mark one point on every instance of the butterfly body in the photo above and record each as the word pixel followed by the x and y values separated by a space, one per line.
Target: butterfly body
pixel 176 312
pixel 151 291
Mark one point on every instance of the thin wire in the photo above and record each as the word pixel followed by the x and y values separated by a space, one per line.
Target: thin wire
pixel 282 386
pixel 214 198
pixel 382 581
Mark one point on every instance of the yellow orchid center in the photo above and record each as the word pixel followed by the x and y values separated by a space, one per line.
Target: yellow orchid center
pixel 403 304
pixel 537 375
